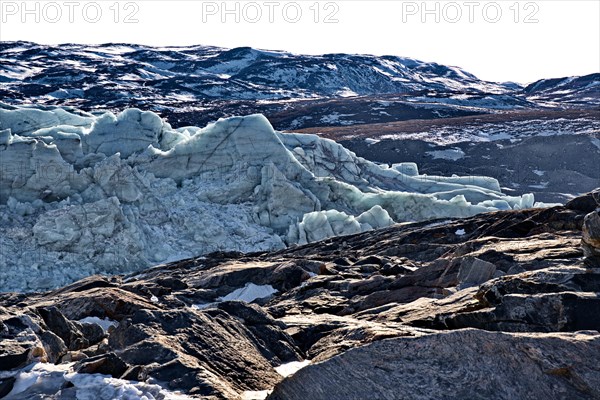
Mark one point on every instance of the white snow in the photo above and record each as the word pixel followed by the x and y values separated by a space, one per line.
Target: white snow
pixel 346 93
pixel 459 232
pixel 105 323
pixel 512 130
pixel 82 194
pixel 46 380
pixel 291 368
pixel 541 185
pixel 448 154
pixel 255 394
pixel 371 141
pixel 439 223
pixel 334 118
pixel 249 293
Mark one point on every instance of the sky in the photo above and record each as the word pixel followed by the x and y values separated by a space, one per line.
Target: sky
pixel 505 40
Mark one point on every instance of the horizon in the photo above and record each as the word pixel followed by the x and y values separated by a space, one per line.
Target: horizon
pixel 522 44
pixel 162 47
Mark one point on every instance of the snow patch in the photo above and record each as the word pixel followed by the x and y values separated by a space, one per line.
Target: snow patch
pixel 541 185
pixel 255 394
pixel 249 293
pixel 104 323
pixel 48 380
pixel 291 368
pixel 449 154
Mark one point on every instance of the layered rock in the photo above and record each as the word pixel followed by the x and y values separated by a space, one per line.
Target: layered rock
pixel 466 364
pixel 500 305
pixel 591 234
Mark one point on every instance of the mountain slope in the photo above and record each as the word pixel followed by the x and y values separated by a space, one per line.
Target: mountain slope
pixel 575 91
pixel 198 84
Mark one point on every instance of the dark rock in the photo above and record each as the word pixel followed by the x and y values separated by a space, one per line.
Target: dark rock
pixel 91 282
pixel 368 268
pixel 343 261
pixel 135 373
pixel 376 260
pixel 591 236
pixel 585 204
pixel 561 300
pixel 287 276
pixel 268 334
pixel 14 354
pixel 172 283
pixel 185 372
pixel 395 269
pixel 105 364
pixel 93 333
pixel 53 345
pixel 186 341
pixel 112 303
pixel 466 364
pixel 6 385
pixel 63 328
pixel 474 271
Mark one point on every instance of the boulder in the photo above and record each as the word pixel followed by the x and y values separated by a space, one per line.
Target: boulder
pixel 463 364
pixel 63 328
pixel 105 364
pixel 6 385
pixel 17 354
pixel 474 271
pixel 53 345
pixel 591 238
pixel 181 344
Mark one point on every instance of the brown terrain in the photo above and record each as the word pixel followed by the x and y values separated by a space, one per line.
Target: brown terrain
pixel 375 130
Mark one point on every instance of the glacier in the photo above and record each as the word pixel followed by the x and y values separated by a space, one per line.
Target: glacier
pixel 85 193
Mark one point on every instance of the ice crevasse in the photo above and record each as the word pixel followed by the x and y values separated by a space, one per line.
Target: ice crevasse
pixel 83 194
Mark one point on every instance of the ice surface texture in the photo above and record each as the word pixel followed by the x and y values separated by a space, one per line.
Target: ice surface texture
pixel 83 194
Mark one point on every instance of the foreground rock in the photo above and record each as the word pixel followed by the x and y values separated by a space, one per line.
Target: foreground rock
pixel 464 364
pixel 591 235
pixel 500 305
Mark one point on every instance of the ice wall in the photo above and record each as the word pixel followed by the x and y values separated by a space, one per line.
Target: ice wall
pixel 83 194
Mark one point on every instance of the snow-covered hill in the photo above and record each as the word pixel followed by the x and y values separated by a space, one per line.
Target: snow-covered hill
pixel 208 72
pixel 575 91
pixel 199 84
pixel 82 194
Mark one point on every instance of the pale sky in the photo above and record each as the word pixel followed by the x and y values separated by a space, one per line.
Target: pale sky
pixel 529 40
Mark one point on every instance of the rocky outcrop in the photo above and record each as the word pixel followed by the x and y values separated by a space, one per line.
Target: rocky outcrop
pixel 591 235
pixel 463 364
pixel 502 305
